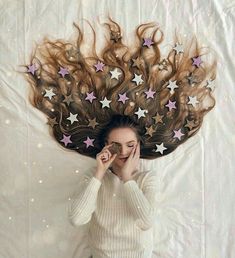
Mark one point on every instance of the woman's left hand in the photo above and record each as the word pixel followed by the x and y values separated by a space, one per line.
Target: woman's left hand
pixel 131 163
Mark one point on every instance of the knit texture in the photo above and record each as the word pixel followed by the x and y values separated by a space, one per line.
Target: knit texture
pixel 121 215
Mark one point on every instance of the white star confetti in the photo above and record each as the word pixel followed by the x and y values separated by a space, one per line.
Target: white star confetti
pixel 72 118
pixel 105 102
pixel 160 148
pixel 172 85
pixel 193 101
pixel 138 80
pixel 178 48
pixel 141 113
pixel 115 74
pixel 49 93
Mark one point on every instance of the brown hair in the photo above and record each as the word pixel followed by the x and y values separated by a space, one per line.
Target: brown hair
pixel 158 124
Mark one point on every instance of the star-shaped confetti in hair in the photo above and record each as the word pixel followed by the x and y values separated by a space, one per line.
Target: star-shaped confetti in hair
pixel 115 74
pixel 148 42
pixel 172 85
pixel 150 93
pixel 93 123
pixel 190 124
pixel 68 99
pixel 158 118
pixel 52 122
pixel 99 66
pixel 138 80
pixel 72 118
pixel 191 79
pixel 209 84
pixel 140 113
pixel 105 102
pixel 49 93
pixel 66 139
pixel 90 96
pixel 193 101
pixel 150 130
pixel 32 68
pixel 162 65
pixel 178 134
pixel 197 61
pixel 160 148
pixel 63 71
pixel 137 62
pixel 89 142
pixel 171 105
pixel 178 48
pixel 123 98
pixel 115 35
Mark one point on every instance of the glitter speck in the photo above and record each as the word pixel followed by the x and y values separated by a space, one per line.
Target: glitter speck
pixel 10 218
pixel 76 171
pixel 39 145
pixel 7 121
pixel 40 181
pixel 114 195
pixel 32 200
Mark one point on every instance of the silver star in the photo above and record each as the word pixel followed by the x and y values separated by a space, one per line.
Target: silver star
pixel 49 93
pixel 172 85
pixel 208 84
pixel 193 101
pixel 105 102
pixel 140 112
pixel 178 48
pixel 68 99
pixel 115 74
pixel 160 148
pixel 72 118
pixel 137 79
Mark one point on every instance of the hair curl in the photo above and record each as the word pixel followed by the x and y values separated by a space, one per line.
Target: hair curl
pixel 70 91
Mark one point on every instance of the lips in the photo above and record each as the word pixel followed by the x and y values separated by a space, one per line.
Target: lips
pixel 123 159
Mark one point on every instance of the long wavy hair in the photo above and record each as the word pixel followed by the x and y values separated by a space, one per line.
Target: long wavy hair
pixel 66 83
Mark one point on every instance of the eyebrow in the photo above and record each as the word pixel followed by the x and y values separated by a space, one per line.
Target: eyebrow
pixel 126 142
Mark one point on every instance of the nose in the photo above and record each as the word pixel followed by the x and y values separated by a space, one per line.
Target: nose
pixel 124 151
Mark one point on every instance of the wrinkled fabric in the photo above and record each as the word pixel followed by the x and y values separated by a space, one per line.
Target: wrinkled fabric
pixel 196 182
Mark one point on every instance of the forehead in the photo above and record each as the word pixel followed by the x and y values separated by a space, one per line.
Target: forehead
pixel 122 135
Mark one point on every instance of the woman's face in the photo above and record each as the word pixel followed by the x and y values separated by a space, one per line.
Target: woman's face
pixel 126 139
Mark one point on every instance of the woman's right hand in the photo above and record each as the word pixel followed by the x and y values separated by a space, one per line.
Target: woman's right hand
pixel 105 159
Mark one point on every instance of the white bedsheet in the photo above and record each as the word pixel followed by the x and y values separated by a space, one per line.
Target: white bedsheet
pixel 196 182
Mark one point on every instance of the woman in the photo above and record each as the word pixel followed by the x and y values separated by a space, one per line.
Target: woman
pixel 146 104
pixel 118 200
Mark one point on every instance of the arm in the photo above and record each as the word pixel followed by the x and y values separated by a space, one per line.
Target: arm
pixel 83 204
pixel 142 203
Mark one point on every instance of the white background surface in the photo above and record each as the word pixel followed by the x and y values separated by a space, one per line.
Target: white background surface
pixel 196 182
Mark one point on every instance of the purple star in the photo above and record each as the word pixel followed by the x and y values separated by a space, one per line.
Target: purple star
pixel 178 134
pixel 150 93
pixel 32 68
pixel 89 142
pixel 148 42
pixel 63 71
pixel 90 96
pixel 66 139
pixel 123 98
pixel 197 61
pixel 99 66
pixel 171 105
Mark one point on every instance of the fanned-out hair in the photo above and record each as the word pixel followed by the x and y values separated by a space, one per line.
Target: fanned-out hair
pixel 80 94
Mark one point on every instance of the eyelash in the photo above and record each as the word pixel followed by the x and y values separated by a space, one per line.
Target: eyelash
pixel 130 146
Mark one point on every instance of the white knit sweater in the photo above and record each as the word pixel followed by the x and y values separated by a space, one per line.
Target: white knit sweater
pixel 120 215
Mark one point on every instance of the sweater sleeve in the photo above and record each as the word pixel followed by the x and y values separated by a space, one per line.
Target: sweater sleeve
pixel 142 203
pixel 83 203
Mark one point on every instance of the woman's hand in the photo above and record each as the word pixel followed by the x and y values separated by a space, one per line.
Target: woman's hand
pixel 131 163
pixel 104 159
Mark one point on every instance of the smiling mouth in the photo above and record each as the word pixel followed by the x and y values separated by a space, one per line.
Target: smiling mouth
pixel 123 159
